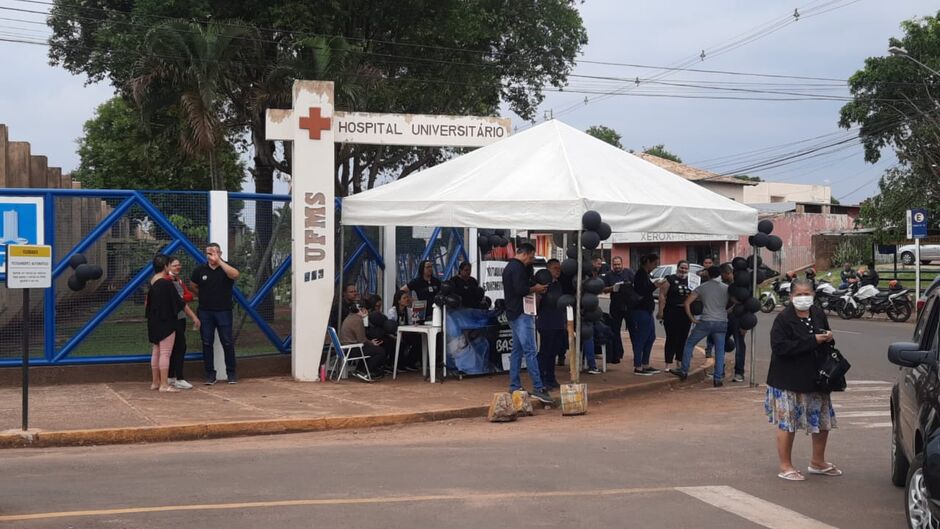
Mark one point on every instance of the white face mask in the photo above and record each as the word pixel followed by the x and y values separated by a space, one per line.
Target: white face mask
pixel 802 303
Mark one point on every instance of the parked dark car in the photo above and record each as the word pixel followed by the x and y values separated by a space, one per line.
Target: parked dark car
pixel 915 418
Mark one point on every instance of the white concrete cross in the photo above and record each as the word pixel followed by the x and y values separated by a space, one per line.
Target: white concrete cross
pixel 314 125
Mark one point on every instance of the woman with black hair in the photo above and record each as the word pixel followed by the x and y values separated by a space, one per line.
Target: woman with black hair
pixel 672 294
pixel 410 347
pixel 162 306
pixel 425 286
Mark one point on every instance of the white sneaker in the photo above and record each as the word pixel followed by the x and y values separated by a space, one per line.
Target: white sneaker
pixel 182 384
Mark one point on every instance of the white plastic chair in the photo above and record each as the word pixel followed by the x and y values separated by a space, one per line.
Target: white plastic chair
pixel 344 355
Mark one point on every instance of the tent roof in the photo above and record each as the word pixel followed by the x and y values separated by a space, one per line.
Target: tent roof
pixel 545 178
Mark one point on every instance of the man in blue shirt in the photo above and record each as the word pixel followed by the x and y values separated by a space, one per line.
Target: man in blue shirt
pixel 516 286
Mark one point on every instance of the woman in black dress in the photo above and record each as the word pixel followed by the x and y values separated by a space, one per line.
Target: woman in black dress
pixel 163 304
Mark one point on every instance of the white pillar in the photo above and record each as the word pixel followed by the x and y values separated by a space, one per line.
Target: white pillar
pixel 390 256
pixel 473 253
pixel 218 233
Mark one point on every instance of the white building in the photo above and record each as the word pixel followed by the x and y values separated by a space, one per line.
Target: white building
pixel 771 192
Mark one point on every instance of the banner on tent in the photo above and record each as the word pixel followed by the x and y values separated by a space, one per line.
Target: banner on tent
pixel 491 278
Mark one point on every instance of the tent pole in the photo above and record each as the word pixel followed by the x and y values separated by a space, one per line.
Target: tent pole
pixel 342 282
pixel 576 354
pixel 752 381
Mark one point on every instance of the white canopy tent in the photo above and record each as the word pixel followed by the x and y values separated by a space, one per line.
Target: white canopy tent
pixel 546 178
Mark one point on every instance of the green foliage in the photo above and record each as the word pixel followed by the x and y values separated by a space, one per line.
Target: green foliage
pixel 834 201
pixel 412 56
pixel 660 151
pixel 118 151
pixel 605 134
pixel 900 189
pixel 747 178
pixel 853 250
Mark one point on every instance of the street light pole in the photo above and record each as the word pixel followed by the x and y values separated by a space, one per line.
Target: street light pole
pixel 898 51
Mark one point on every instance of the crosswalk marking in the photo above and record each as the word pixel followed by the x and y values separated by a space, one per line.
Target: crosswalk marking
pixel 752 508
pixel 865 404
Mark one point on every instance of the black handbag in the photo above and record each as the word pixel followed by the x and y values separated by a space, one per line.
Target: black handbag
pixel 831 370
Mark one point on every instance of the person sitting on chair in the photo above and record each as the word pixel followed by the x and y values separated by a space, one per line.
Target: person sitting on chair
pixel 354 331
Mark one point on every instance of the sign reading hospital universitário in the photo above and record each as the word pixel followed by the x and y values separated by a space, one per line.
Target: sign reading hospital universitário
pixel 21 222
pixel 418 130
pixel 313 126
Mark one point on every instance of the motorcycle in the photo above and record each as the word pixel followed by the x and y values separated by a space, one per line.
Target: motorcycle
pixel 897 305
pixel 779 294
pixel 828 297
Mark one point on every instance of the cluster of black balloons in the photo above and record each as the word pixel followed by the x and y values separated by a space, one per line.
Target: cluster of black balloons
pixel 763 237
pixel 84 272
pixel 594 231
pixel 446 297
pixel 489 239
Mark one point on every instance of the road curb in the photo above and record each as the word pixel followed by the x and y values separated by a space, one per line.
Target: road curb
pixel 218 430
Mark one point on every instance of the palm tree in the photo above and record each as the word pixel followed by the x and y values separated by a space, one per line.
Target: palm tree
pixel 195 69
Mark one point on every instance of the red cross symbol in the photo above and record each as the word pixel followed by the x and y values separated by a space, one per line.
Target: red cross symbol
pixel 314 123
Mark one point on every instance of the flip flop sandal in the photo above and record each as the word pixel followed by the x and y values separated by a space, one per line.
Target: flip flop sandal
pixel 169 389
pixel 830 470
pixel 792 475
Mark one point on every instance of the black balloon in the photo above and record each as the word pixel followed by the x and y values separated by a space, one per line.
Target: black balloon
pixel 452 301
pixel 485 231
pixel 748 321
pixel 572 251
pixel 739 294
pixel 499 304
pixel 565 300
pixel 76 260
pixel 729 344
pixel 569 267
pixel 738 310
pixel 774 243
pixel 543 277
pixel 595 285
pixel 587 331
pixel 589 302
pixel 750 261
pixel 760 240
pixel 501 233
pixel 742 278
pixel 696 307
pixel 87 272
pixel 591 220
pixel 486 303
pixel 76 284
pixel 494 239
pixel 503 242
pixel 751 304
pixel 483 240
pixel 765 226
pixel 439 300
pixel 739 263
pixel 604 231
pixel 590 240
pixel 750 240
pixel 594 315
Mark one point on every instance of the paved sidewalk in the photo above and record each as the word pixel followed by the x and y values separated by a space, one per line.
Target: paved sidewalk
pixel 127 412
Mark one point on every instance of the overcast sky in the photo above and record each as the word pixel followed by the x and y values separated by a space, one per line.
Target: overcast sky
pixel 47 106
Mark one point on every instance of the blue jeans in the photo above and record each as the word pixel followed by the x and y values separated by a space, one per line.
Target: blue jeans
pixel 717 331
pixel 212 321
pixel 642 336
pixel 523 343
pixel 589 353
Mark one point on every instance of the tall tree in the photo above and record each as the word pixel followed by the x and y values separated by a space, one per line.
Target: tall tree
pixel 194 70
pixel 895 105
pixel 605 134
pixel 660 150
pixel 119 151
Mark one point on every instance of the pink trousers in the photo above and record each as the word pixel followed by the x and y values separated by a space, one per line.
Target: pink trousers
pixel 160 355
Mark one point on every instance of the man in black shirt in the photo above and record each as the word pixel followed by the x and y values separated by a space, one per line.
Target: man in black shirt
pixel 870 276
pixel 212 283
pixel 618 312
pixel 516 286
pixel 642 326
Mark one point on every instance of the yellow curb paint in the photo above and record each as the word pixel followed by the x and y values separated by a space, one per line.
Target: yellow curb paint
pixel 501 496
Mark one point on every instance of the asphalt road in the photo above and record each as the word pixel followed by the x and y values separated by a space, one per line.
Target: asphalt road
pixel 696 457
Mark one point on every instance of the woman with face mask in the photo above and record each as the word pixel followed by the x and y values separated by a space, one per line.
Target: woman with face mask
pixel 800 333
pixel 672 294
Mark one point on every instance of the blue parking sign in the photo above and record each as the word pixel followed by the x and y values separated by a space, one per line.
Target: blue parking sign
pixel 917 222
pixel 21 222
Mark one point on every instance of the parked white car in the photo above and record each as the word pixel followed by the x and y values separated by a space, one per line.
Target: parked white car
pixel 658 275
pixel 928 253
